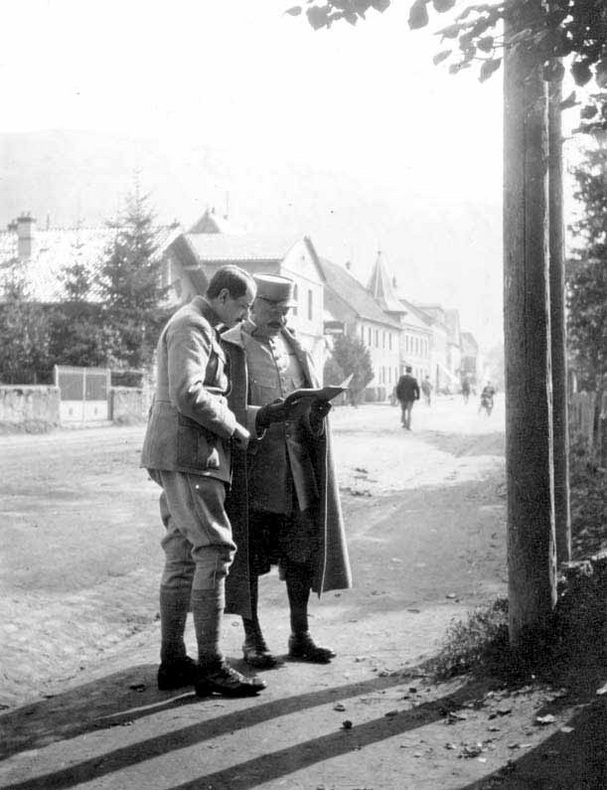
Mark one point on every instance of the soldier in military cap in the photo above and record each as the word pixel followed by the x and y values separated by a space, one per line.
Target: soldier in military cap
pixel 284 502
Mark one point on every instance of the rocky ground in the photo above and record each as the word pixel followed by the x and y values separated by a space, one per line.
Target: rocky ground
pixel 426 521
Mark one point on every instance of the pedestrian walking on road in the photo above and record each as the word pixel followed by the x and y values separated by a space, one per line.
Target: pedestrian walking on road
pixel 407 392
pixel 487 397
pixel 186 450
pixel 466 389
pixel 427 390
pixel 284 502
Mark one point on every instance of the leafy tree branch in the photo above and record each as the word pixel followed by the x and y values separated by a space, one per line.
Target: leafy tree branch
pixel 548 33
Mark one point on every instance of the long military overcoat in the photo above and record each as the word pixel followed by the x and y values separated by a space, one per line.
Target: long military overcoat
pixel 332 570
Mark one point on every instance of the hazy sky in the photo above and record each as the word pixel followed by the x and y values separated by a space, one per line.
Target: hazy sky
pixel 243 78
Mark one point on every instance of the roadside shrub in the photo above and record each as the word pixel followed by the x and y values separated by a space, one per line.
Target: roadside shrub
pixel 478 644
pixel 588 486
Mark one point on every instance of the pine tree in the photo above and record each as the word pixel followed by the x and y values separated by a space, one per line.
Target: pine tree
pixel 131 288
pixel 352 356
pixel 24 352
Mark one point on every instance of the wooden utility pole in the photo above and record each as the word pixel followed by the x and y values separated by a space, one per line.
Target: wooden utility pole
pixel 529 449
pixel 558 334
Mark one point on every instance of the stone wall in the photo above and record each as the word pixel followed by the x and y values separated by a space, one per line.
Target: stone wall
pixel 129 405
pixel 29 408
pixel 36 409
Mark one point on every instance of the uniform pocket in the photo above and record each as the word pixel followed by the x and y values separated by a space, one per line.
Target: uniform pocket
pixel 196 446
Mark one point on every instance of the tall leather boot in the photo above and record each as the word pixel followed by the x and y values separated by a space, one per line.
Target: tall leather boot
pixel 301 645
pixel 255 649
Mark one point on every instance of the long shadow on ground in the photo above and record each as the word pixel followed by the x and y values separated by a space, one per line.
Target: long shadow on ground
pixel 242 775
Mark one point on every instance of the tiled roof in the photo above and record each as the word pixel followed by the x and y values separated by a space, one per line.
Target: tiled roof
pixel 212 222
pixel 247 247
pixel 381 288
pixel 413 309
pixel 469 344
pixel 355 295
pixel 55 248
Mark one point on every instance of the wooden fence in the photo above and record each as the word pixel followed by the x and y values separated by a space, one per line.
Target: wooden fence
pixel 581 418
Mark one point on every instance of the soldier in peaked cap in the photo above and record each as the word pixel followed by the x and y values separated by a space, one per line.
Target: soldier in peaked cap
pixel 283 503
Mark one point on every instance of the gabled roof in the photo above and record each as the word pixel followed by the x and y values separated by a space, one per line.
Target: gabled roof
pixel 452 321
pixel 354 294
pixel 224 248
pixel 469 344
pixel 382 288
pixel 434 312
pixel 54 249
pixel 413 313
pixel 211 222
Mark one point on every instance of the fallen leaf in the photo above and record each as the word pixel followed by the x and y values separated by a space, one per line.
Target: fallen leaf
pixel 472 749
pixel 547 719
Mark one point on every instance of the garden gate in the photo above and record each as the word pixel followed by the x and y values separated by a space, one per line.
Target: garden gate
pixel 84 394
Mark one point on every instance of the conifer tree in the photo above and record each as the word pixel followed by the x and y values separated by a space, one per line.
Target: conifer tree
pixel 131 287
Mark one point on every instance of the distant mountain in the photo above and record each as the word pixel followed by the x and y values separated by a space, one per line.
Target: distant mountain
pixel 439 249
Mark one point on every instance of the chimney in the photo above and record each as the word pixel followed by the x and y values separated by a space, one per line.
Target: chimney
pixel 25 236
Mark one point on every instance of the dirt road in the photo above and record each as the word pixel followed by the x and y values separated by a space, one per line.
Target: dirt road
pixel 425 513
pixel 80 530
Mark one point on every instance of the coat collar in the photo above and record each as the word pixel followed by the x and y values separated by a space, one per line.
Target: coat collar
pixel 206 310
pixel 240 334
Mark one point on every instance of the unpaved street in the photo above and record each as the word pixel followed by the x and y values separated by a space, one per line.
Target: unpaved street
pixel 80 530
pixel 425 513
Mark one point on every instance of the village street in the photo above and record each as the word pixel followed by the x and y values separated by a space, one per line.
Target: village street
pixel 425 513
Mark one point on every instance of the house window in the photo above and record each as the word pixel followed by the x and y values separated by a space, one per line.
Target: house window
pixel 310 305
pixel 377 338
pixel 390 340
pixel 295 298
pixel 369 337
pixel 383 339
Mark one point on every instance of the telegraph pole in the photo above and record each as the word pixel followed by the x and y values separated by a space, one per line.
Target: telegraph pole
pixel 529 430
pixel 558 335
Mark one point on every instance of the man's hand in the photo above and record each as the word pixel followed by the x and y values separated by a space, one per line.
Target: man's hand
pixel 241 437
pixel 272 412
pixel 318 411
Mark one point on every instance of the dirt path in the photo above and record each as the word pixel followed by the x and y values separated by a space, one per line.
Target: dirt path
pixel 425 514
pixel 81 531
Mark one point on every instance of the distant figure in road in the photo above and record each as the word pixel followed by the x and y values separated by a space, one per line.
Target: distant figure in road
pixel 407 392
pixel 427 390
pixel 487 396
pixel 284 501
pixel 187 449
pixel 466 389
